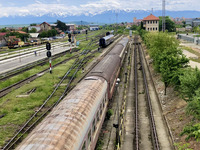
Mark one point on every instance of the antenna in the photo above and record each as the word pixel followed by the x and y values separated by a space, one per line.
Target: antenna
pixel 152 10
pixel 163 15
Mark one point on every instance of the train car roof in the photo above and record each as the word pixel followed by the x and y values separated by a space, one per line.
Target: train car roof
pixel 123 41
pixel 119 47
pixel 68 123
pixel 108 36
pixel 106 67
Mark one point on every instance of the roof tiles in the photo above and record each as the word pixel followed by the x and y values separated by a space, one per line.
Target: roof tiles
pixel 151 17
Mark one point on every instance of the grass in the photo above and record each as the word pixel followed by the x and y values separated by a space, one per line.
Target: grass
pixel 15 79
pixel 17 110
pixel 193 52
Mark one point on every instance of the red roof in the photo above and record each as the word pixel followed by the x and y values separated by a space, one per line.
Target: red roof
pixel 3 33
pixel 45 23
pixel 22 32
pixel 151 17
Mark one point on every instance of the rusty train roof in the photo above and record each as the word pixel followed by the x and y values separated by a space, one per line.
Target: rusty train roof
pixel 118 48
pixel 106 67
pixel 68 123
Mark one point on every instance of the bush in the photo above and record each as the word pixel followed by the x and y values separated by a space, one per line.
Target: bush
pixel 109 114
pixel 192 131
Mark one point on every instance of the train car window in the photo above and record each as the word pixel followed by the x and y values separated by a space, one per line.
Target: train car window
pixel 94 126
pixel 98 116
pixel 101 111
pixel 83 147
pixel 89 137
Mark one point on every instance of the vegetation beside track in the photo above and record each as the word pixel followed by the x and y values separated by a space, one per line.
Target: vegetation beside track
pixel 169 61
pixel 18 106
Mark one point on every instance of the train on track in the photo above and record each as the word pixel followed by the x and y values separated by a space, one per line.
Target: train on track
pixel 105 41
pixel 75 123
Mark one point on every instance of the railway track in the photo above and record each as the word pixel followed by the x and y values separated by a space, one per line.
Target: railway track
pixel 31 123
pixel 150 129
pixel 8 89
pixel 154 137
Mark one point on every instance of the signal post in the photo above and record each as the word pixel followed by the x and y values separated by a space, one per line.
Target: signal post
pixel 48 47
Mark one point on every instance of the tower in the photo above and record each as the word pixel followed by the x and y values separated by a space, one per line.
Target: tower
pixel 163 15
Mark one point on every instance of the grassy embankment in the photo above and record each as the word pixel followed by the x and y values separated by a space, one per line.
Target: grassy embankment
pixel 15 110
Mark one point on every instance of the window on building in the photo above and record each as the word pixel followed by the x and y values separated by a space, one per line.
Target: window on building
pixel 156 22
pixel 156 28
pixel 148 22
pixel 148 29
pixel 153 29
pixel 153 22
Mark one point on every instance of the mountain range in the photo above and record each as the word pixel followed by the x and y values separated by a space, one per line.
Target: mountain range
pixel 106 17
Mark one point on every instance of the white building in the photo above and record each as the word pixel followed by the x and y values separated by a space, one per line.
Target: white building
pixel 36 27
pixel 151 23
pixel 94 27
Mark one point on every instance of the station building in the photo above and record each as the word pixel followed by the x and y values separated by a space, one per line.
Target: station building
pixel 151 23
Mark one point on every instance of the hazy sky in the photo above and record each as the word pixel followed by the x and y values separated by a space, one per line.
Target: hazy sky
pixel 88 7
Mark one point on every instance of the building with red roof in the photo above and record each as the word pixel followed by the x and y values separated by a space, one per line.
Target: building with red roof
pixel 45 26
pixel 151 23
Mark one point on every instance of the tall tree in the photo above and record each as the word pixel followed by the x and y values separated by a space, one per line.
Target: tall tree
pixel 169 24
pixel 62 26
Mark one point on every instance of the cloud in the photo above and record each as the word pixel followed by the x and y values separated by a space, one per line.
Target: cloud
pixel 63 8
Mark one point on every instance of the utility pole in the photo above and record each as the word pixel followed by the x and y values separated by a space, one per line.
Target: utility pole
pixel 116 13
pixel 163 15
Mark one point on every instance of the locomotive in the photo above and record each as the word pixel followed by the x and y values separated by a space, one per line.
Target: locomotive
pixel 75 123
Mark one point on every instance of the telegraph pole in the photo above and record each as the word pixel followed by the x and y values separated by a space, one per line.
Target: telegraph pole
pixel 163 15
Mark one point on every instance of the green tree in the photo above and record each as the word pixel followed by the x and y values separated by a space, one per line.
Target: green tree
pixel 3 30
pixel 62 26
pixel 167 57
pixel 170 68
pixel 169 24
pixel 189 83
pixel 196 29
pixel 33 30
pixel 184 23
pixel 134 27
pixel 33 24
pixel 43 34
pixel 25 29
pixel 18 35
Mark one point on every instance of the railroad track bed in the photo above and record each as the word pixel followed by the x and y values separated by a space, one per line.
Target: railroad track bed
pixel 138 107
pixel 150 128
pixel 46 107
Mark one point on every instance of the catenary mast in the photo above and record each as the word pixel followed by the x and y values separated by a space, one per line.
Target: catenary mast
pixel 163 15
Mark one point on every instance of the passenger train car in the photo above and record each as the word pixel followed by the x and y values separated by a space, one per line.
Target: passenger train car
pixel 75 123
pixel 105 41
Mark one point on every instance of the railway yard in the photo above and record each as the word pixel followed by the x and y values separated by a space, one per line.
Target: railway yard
pixel 95 98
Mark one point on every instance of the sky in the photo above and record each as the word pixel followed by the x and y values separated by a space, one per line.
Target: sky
pixel 12 8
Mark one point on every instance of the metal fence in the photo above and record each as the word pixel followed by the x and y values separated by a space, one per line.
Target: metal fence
pixel 189 38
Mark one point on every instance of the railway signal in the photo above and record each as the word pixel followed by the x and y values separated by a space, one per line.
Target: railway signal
pixel 48 47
